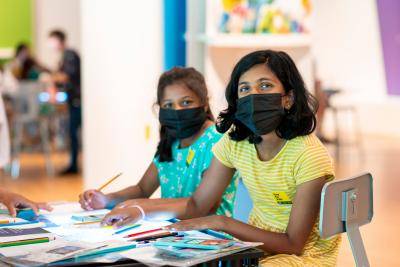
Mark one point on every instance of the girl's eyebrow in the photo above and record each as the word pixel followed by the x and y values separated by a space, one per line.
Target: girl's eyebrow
pixel 243 83
pixel 185 97
pixel 263 79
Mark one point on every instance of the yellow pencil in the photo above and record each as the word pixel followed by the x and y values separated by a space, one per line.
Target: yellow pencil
pixel 109 181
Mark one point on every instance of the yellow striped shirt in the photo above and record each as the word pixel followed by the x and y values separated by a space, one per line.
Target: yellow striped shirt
pixel 272 186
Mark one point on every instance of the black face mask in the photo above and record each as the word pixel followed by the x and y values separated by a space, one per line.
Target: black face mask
pixel 182 123
pixel 261 113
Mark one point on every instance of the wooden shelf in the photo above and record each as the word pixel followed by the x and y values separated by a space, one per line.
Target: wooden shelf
pixel 292 40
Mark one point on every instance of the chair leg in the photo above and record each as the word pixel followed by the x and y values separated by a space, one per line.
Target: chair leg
pixel 15 163
pixel 337 133
pixel 44 135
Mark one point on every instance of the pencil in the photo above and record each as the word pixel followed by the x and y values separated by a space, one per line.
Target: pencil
pixel 25 242
pixel 7 221
pixel 109 181
pixel 144 232
pixel 84 223
pixel 126 229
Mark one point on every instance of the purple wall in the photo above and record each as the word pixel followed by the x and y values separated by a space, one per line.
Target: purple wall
pixel 389 22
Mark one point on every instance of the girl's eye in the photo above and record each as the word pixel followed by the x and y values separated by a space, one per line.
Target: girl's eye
pixel 167 105
pixel 265 86
pixel 244 89
pixel 186 103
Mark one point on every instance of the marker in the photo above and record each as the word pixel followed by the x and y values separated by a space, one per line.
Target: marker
pixel 126 229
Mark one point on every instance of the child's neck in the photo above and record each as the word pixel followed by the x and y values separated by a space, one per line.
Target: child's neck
pixel 270 146
pixel 190 140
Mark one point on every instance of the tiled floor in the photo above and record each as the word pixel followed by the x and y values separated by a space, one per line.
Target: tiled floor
pixel 380 157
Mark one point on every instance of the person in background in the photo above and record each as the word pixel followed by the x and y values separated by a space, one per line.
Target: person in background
pixel 24 66
pixel 68 78
pixel 183 155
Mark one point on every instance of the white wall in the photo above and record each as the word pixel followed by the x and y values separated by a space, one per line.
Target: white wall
pixel 122 60
pixel 55 14
pixel 347 46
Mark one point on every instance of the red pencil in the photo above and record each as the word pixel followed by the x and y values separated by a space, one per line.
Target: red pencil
pixel 142 233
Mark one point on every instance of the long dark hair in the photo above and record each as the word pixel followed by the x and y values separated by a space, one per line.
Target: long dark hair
pixel 298 120
pixel 194 81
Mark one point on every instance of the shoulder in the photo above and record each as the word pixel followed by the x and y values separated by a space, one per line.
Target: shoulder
pixel 71 54
pixel 211 134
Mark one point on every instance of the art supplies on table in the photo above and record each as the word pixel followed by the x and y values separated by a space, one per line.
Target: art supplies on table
pixel 20 237
pixel 126 228
pixel 112 179
pixel 150 235
pixel 198 243
pixel 172 256
pixel 7 221
pixel 26 214
pixel 88 218
pixel 40 254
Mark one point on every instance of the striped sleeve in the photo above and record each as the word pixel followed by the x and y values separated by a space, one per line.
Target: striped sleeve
pixel 222 150
pixel 313 163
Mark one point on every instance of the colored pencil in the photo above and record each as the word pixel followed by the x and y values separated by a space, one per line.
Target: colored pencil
pixel 144 232
pixel 7 221
pixel 127 229
pixel 18 223
pixel 25 242
pixel 109 181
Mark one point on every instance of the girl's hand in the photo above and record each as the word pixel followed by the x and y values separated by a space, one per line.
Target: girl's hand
pixel 214 222
pixel 13 201
pixel 121 217
pixel 93 200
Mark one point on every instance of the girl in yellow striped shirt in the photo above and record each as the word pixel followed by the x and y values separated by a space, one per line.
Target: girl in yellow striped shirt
pixel 268 138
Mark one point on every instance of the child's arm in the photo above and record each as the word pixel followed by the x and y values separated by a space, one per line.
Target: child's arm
pixel 94 199
pixel 302 219
pixel 182 208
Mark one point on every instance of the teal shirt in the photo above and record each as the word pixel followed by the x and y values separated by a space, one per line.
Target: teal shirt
pixel 180 177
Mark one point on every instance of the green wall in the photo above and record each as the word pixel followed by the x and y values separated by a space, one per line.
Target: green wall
pixel 15 22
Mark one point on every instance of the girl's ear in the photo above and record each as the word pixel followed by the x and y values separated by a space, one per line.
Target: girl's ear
pixel 289 100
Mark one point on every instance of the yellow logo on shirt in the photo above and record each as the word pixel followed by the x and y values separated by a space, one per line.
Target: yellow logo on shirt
pixel 190 157
pixel 281 198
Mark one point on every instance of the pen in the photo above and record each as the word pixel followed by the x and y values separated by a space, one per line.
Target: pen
pixel 126 229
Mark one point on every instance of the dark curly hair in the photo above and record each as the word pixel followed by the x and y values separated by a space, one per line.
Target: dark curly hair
pixel 298 120
pixel 195 82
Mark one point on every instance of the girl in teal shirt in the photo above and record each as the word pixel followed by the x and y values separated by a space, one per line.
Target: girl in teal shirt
pixel 183 155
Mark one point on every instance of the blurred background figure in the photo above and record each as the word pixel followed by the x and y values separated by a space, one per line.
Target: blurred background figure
pixel 24 66
pixel 4 137
pixel 68 78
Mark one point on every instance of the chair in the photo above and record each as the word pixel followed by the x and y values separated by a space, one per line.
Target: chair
pixel 27 110
pixel 339 113
pixel 345 206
